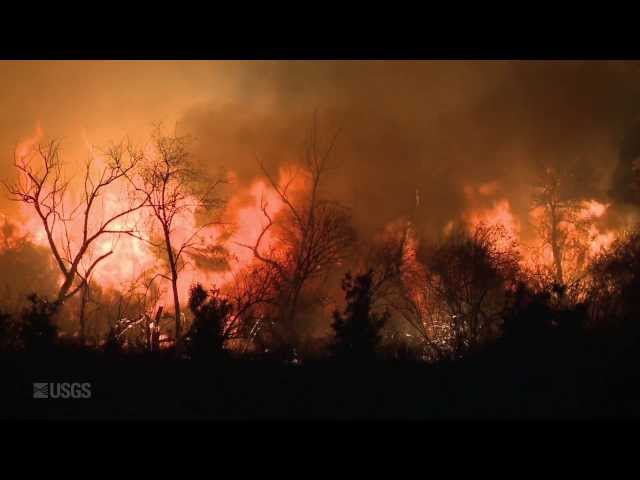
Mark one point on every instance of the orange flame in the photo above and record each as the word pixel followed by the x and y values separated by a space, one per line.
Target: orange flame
pixel 132 256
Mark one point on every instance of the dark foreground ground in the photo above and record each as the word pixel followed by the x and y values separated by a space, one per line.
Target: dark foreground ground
pixel 590 381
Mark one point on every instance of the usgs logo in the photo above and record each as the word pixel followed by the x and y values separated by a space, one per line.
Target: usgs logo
pixel 62 390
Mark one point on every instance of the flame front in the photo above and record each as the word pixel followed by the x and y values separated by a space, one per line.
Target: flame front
pixel 133 261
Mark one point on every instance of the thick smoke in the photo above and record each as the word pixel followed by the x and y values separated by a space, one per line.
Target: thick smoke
pixel 437 130
pixel 432 126
pixel 429 125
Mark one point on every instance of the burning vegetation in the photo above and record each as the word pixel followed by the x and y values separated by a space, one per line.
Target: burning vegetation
pixel 123 245
pixel 385 236
pixel 439 238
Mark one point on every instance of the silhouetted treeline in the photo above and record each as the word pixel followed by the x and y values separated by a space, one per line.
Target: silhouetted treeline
pixel 471 296
pixel 553 356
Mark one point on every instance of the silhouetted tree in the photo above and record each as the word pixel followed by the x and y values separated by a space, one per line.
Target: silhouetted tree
pixel 560 225
pixel 42 185
pixel 38 331
pixel 211 313
pixel 174 186
pixel 400 282
pixel 466 283
pixel 312 232
pixel 357 330
pixel 253 294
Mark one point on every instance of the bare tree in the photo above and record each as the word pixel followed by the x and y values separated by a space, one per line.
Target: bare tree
pixel 448 296
pixel 42 185
pixel 399 287
pixel 312 234
pixel 560 224
pixel 449 293
pixel 470 276
pixel 176 189
pixel 253 296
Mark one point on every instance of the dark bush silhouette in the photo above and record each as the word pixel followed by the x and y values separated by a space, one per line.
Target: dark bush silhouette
pixel 206 337
pixel 38 332
pixel 529 316
pixel 571 321
pixel 357 330
pixel 113 345
pixel 539 321
pixel 615 281
pixel 470 276
pixel 6 331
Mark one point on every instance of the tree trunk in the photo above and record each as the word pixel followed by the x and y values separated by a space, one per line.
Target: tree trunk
pixel 174 286
pixel 148 334
pixel 65 287
pixel 155 334
pixel 556 249
pixel 83 306
pixel 293 333
pixel 176 304
pixel 557 256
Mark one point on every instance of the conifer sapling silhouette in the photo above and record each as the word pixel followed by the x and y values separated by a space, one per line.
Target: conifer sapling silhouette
pixel 211 311
pixel 113 344
pixel 37 330
pixel 5 330
pixel 357 330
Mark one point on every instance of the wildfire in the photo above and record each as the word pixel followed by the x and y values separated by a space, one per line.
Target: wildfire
pixel 132 254
pixel 499 214
pixel 593 209
pixel 585 236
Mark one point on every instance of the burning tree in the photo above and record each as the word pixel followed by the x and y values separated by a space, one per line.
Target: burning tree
pixel 73 229
pixel 396 274
pixel 253 295
pixel 404 286
pixel 312 234
pixel 175 189
pixel 559 223
pixel 465 285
